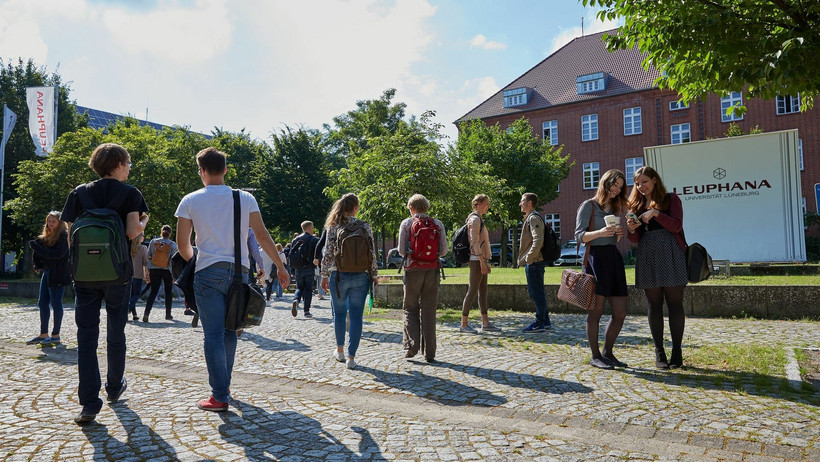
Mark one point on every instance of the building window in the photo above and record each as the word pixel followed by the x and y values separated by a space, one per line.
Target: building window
pixel 677 105
pixel 516 97
pixel 734 99
pixel 788 104
pixel 551 132
pixel 589 127
pixel 805 209
pixel 553 220
pixel 632 121
pixel 632 165
pixel 800 152
pixel 680 134
pixel 592 174
pixel 591 82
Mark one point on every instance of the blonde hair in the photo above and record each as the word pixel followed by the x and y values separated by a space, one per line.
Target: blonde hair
pixel 617 203
pixel 48 236
pixel 479 199
pixel 418 203
pixel 341 208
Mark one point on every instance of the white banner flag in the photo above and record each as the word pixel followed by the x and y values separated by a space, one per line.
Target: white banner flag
pixel 9 119
pixel 42 119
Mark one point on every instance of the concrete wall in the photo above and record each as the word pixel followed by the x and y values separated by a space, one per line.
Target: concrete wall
pixel 776 302
pixel 28 290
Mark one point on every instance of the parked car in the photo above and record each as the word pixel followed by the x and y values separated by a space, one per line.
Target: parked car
pixel 394 260
pixel 495 253
pixel 568 254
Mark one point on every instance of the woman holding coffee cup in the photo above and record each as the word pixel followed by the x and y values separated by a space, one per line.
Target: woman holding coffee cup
pixel 656 225
pixel 598 226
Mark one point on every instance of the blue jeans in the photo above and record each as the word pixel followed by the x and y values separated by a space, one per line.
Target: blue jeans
pixel 210 288
pixel 304 286
pixel 87 303
pixel 274 286
pixel 52 296
pixel 348 296
pixel 136 290
pixel 535 287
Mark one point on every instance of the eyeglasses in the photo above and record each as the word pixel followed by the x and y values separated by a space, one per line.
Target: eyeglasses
pixel 129 164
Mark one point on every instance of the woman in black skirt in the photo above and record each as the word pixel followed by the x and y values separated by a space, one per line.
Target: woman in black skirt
pixel 605 263
pixel 660 260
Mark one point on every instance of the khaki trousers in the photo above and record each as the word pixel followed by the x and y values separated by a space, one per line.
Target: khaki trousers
pixel 419 305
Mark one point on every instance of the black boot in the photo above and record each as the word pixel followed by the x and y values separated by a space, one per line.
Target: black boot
pixel 676 360
pixel 660 359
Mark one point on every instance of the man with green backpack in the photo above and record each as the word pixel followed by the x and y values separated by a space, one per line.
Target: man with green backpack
pixel 103 216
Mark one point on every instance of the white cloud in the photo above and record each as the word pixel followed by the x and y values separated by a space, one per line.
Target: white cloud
pixel 591 26
pixel 480 41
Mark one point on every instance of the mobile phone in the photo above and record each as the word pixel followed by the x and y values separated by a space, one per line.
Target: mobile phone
pixel 631 216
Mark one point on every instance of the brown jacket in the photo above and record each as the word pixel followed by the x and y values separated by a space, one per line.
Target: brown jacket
pixel 532 238
pixel 479 237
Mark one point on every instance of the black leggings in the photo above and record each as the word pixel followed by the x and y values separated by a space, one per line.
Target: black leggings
pixel 160 276
pixel 677 320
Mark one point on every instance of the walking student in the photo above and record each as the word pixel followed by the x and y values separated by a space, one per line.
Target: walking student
pixel 139 260
pixel 302 251
pixel 530 256
pixel 209 212
pixel 50 257
pixel 348 269
pixel 605 263
pixel 660 259
pixel 479 266
pixel 160 251
pixel 422 240
pixel 112 163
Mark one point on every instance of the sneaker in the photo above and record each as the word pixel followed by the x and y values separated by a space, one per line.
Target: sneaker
pixel 136 318
pixel 114 397
pixel 339 356
pixel 294 307
pixel 145 318
pixel 431 360
pixel 534 327
pixel 321 297
pixel 351 363
pixel 600 363
pixel 213 405
pixel 611 359
pixel 467 330
pixel 50 341
pixel 85 417
pixel 410 353
pixel 168 317
pixel 490 328
pixel 308 315
pixel 187 312
pixel 36 340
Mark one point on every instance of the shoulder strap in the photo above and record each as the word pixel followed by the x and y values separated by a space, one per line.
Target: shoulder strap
pixel 237 249
pixel 586 248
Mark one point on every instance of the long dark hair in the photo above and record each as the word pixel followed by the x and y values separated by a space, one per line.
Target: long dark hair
pixel 659 199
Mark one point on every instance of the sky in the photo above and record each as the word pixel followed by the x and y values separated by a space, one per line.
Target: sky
pixel 262 65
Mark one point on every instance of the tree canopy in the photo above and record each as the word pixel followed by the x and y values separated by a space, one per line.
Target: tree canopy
pixel 763 47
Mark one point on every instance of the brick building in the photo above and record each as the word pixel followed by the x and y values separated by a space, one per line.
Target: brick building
pixel 604 108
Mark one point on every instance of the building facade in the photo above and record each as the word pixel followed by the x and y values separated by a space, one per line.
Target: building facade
pixel 604 109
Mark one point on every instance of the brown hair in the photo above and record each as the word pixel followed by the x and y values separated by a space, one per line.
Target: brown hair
pixel 212 160
pixel 478 199
pixel 307 224
pixel 166 231
pixel 418 203
pixel 639 203
pixel 107 157
pixel 341 208
pixel 532 197
pixel 617 203
pixel 48 236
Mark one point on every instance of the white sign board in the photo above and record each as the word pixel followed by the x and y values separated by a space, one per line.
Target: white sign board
pixel 741 195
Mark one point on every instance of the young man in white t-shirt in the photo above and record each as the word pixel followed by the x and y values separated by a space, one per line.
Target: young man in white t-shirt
pixel 209 212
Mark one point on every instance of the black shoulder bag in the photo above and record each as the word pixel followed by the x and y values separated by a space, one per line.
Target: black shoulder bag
pixel 245 302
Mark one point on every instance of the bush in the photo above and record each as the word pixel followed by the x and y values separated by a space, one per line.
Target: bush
pixel 812 248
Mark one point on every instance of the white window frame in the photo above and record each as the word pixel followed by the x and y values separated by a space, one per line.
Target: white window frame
pixel 552 126
pixel 787 104
pixel 631 165
pixel 591 175
pixel 589 127
pixel 677 105
pixel 554 220
pixel 682 132
pixel 800 152
pixel 805 208
pixel 733 99
pixel 632 121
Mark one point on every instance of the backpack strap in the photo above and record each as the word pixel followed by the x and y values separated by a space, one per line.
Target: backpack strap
pixel 237 248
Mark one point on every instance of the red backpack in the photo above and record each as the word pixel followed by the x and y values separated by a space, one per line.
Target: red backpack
pixel 424 242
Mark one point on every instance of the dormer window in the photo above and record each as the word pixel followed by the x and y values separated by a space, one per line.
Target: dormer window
pixel 516 97
pixel 591 83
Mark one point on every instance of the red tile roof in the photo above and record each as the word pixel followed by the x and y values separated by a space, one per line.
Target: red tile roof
pixel 553 80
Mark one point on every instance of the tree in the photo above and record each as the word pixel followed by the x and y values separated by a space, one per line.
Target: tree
pixel 763 47
pixel 521 160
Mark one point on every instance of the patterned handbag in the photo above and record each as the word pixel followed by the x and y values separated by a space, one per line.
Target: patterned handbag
pixel 578 288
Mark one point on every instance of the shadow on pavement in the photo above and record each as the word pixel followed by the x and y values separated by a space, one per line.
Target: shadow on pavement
pixel 518 380
pixel 444 391
pixel 266 436
pixel 266 343
pixel 142 443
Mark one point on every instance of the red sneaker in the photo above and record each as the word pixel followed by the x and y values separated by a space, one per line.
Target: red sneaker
pixel 211 404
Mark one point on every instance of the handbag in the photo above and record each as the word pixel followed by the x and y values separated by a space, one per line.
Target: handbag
pixel 245 302
pixel 698 263
pixel 578 288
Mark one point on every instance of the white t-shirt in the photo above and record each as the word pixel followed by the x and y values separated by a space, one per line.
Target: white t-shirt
pixel 211 211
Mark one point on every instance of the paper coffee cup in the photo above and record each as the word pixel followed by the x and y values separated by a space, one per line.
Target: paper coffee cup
pixel 612 220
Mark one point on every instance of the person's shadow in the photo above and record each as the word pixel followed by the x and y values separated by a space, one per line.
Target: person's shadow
pixel 519 380
pixel 444 391
pixel 270 344
pixel 143 442
pixel 267 437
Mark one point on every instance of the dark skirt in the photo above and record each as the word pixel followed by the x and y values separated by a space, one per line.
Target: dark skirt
pixel 659 261
pixel 607 265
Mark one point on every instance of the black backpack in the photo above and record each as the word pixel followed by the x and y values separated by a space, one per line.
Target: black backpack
pixel 99 247
pixel 461 243
pixel 698 263
pixel 299 253
pixel 551 249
